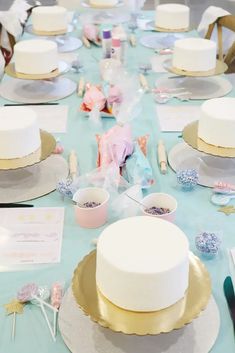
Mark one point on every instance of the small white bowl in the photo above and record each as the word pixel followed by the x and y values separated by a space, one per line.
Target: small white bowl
pixel 160 200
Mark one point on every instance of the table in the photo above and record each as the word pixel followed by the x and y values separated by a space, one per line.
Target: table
pixel 195 212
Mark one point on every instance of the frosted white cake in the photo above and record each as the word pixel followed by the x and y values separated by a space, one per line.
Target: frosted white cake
pixel 172 16
pixel 35 56
pixel 70 5
pixel 103 3
pixel 49 19
pixel 142 263
pixel 194 54
pixel 19 132
pixel 217 122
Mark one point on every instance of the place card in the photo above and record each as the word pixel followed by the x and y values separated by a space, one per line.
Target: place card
pixel 157 62
pixel 173 118
pixel 32 236
pixel 52 118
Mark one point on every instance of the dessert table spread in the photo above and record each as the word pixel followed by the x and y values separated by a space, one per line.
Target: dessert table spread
pixel 195 211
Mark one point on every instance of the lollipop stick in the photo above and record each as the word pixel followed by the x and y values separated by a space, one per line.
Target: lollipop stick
pixel 13 327
pixel 47 321
pixel 44 303
pixel 55 322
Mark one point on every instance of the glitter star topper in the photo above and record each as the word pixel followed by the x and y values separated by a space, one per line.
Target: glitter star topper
pixel 14 307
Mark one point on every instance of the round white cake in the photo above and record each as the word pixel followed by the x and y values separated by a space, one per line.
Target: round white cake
pixel 19 132
pixel 36 56
pixel 194 54
pixel 217 122
pixel 142 263
pixel 49 19
pixel 172 16
pixel 70 5
pixel 103 3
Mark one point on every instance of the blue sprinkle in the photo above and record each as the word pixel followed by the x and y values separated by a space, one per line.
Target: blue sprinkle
pixel 187 178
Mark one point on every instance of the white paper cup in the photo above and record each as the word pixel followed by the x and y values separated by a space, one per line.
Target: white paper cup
pixel 91 217
pixel 160 200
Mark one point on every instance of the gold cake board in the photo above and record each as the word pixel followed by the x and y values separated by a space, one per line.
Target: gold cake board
pixel 190 136
pixel 220 68
pixel 86 3
pixel 108 315
pixel 10 70
pixel 155 28
pixel 48 144
pixel 50 33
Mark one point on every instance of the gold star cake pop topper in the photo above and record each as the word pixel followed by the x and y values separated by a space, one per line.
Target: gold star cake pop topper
pixel 14 307
pixel 227 210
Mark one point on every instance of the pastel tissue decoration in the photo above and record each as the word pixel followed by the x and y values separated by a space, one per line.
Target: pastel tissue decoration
pixel 91 32
pixel 114 99
pixel 114 146
pixel 137 169
pixel 143 141
pixel 93 98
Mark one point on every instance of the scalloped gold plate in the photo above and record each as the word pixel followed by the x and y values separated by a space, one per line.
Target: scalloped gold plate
pixel 220 68
pixel 166 30
pixel 190 136
pixel 48 144
pixel 108 315
pixel 10 70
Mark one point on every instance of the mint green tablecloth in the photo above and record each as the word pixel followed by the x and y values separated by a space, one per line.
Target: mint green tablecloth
pixel 194 213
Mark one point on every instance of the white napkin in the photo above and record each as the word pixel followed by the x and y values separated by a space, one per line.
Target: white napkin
pixel 134 5
pixel 211 14
pixel 2 65
pixel 12 19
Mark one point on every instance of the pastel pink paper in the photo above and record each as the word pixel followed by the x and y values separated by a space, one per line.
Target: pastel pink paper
pixel 115 146
pixel 94 97
pixel 114 95
pixel 91 32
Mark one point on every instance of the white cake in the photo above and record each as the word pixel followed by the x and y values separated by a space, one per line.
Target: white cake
pixel 194 54
pixel 103 3
pixel 172 16
pixel 19 132
pixel 36 56
pixel 142 263
pixel 217 122
pixel 70 5
pixel 49 19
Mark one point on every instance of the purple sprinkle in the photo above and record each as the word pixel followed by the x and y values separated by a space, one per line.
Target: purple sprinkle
pixel 91 204
pixel 157 210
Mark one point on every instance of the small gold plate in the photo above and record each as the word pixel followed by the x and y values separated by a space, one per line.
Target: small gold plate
pixel 102 311
pixel 190 136
pixel 220 68
pixel 48 144
pixel 10 70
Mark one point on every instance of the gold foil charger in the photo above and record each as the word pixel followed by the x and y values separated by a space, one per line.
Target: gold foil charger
pixel 48 144
pixel 102 311
pixel 190 136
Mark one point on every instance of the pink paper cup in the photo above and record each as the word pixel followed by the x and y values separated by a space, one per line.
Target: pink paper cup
pixel 91 217
pixel 160 200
